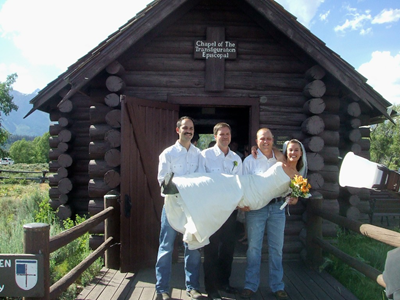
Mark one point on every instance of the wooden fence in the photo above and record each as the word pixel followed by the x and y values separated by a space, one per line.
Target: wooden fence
pixel 37 240
pixel 315 243
pixel 39 178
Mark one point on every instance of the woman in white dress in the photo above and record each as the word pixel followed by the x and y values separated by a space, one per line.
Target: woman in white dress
pixel 206 200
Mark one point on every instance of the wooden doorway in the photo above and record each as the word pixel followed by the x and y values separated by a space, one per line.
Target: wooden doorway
pixel 147 129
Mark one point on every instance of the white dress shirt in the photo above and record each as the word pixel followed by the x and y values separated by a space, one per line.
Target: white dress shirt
pixel 258 165
pixel 213 160
pixel 178 160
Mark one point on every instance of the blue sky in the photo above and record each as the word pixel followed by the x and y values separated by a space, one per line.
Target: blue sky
pixel 38 41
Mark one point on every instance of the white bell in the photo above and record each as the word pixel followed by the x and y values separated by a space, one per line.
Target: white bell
pixel 359 172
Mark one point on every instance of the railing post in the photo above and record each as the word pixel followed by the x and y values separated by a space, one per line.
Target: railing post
pixel 36 241
pixel 112 225
pixel 314 229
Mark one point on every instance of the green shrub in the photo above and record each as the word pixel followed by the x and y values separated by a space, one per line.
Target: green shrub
pixel 366 250
pixel 23 204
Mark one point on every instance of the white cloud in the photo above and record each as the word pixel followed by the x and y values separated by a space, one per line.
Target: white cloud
pixel 304 10
pixel 383 73
pixel 54 32
pixel 324 17
pixel 356 21
pixel 387 16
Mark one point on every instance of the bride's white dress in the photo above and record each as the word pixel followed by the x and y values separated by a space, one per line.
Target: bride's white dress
pixel 206 200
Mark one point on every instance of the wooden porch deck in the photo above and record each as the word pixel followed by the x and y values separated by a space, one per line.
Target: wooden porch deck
pixel 301 283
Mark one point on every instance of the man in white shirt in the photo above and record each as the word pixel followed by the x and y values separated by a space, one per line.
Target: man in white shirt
pixel 270 217
pixel 218 254
pixel 182 158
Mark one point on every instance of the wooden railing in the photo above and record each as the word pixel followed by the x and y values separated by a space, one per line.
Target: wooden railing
pixel 41 179
pixel 315 243
pixel 37 241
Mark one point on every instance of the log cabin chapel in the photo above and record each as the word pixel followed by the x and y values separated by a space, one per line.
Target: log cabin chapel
pixel 246 62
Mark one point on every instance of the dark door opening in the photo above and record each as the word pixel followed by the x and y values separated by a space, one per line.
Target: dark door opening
pixel 206 117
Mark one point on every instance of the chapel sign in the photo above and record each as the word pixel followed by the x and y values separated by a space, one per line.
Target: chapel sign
pixel 215 49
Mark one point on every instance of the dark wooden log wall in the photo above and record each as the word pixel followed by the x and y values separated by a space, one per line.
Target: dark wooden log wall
pixel 105 142
pixel 69 141
pixel 297 100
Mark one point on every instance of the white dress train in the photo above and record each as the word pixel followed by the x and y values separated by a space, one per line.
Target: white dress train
pixel 205 201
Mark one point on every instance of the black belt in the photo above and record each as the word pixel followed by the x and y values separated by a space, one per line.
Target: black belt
pixel 275 200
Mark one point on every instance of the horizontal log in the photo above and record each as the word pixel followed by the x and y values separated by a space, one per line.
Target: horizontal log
pixel 293 100
pixel 112 100
pixel 294 227
pixel 95 206
pixel 65 122
pixel 315 73
pixel 65 136
pixel 98 168
pixel 315 161
pixel 54 204
pixel 53 141
pixel 331 121
pixel 349 200
pixel 53 166
pixel 64 212
pixel 313 125
pixel 330 155
pixel 98 229
pixel 113 157
pixel 65 185
pixel 95 241
pixel 353 135
pixel 97 149
pixel 113 137
pixel 98 113
pixel 65 160
pixel 115 84
pixel 97 188
pixel 112 178
pixel 54 129
pixel 314 106
pixel 332 104
pixel 63 147
pixel 331 138
pixel 80 113
pixel 314 144
pixel 98 131
pixel 330 173
pixel 233 80
pixel 352 109
pixel 66 106
pixel 365 144
pixel 365 132
pixel 62 172
pixel 113 118
pixel 316 180
pixel 315 89
pixel 349 211
pixel 115 68
pixel 330 190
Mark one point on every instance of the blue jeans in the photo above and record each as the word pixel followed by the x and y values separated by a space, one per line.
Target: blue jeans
pixel 274 219
pixel 164 260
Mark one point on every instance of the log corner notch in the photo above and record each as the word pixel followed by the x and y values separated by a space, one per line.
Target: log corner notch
pixel 105 142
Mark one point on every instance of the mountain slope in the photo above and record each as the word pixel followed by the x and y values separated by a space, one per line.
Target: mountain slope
pixel 35 124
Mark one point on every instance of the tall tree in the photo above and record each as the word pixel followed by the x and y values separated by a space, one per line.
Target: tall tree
pixel 6 106
pixel 385 143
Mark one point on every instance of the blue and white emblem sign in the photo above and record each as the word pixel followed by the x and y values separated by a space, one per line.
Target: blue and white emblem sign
pixel 26 273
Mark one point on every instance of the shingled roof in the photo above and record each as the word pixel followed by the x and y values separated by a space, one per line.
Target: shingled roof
pixel 87 67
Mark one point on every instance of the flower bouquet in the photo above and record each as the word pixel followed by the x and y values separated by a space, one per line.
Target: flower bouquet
pixel 299 187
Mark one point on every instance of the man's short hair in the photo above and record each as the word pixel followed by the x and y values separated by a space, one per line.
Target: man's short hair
pixel 263 129
pixel 180 120
pixel 220 125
